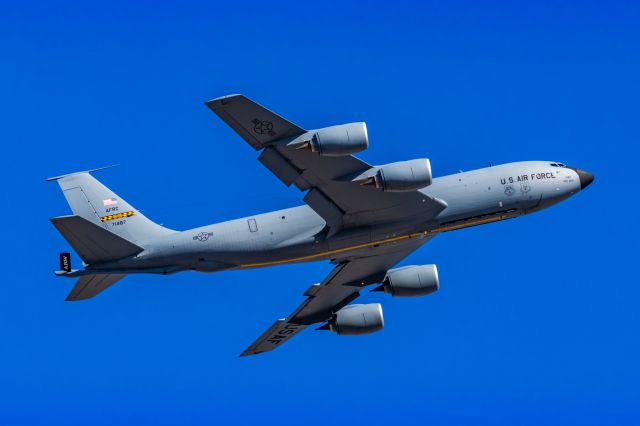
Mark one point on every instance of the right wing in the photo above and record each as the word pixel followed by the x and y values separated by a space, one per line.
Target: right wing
pixel 339 201
pixel 338 289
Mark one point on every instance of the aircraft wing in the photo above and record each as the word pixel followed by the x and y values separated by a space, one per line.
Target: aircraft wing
pixel 338 289
pixel 90 285
pixel 340 202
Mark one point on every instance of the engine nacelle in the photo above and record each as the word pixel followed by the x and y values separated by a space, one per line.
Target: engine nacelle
pixel 335 141
pixel 357 319
pixel 404 176
pixel 411 281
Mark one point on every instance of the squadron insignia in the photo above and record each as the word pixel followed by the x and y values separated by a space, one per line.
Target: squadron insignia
pixel 202 236
pixel 508 190
pixel 263 127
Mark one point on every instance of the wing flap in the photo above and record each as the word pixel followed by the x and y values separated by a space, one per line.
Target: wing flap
pixel 279 166
pixel 325 208
pixel 342 286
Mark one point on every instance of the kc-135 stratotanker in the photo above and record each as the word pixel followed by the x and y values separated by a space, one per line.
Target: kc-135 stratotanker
pixel 363 218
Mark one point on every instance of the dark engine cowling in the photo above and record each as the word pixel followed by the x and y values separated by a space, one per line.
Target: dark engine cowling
pixel 404 176
pixel 335 141
pixel 411 281
pixel 357 319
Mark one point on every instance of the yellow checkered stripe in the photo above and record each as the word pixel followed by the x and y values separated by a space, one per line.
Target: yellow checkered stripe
pixel 116 216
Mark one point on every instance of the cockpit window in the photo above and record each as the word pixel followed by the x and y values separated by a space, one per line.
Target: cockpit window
pixel 557 165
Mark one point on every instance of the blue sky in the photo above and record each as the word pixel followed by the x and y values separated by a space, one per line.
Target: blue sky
pixel 536 319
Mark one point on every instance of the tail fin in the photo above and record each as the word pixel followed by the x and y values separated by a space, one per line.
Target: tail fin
pixel 91 200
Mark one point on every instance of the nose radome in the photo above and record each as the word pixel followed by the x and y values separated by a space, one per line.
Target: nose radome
pixel 585 178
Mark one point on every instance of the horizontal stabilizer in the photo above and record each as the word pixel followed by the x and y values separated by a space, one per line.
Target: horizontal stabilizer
pixel 90 285
pixel 93 243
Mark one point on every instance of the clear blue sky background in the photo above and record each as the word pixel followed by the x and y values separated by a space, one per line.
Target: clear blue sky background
pixel 537 318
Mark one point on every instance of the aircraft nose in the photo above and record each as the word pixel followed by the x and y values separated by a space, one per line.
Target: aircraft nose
pixel 585 178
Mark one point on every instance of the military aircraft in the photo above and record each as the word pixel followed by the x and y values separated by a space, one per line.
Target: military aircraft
pixel 363 218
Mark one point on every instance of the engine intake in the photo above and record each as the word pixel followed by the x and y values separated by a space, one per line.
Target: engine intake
pixel 336 141
pixel 403 176
pixel 411 281
pixel 357 319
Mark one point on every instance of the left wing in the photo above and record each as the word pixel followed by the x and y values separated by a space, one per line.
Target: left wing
pixel 342 286
pixel 339 201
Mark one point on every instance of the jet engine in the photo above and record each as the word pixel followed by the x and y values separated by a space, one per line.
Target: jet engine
pixel 403 176
pixel 336 141
pixel 357 319
pixel 411 281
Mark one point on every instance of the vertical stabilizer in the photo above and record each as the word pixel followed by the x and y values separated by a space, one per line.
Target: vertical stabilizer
pixel 91 200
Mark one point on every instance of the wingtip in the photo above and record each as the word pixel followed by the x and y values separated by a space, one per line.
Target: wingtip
pixel 248 353
pixel 215 103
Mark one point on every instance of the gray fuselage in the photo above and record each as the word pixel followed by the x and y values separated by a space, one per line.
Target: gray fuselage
pixel 298 234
